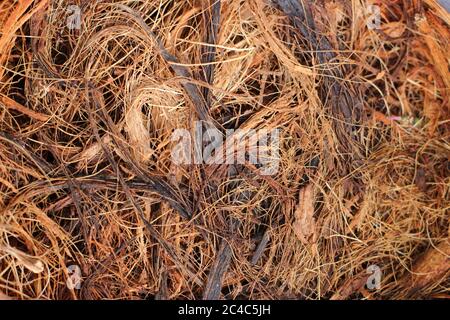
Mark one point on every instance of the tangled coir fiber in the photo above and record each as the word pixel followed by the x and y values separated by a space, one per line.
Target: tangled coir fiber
pixel 87 181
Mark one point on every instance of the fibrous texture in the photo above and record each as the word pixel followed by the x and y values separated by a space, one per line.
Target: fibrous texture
pixel 91 93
